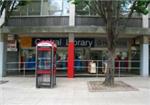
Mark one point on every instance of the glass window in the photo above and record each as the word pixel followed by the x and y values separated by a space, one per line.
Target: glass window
pixel 20 11
pixel 55 7
pixel 84 9
pixel 43 7
pixel 34 8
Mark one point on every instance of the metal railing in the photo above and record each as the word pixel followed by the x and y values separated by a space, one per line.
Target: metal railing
pixel 80 66
pixel 120 66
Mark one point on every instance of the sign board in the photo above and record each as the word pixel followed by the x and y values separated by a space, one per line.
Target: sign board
pixel 25 42
pixel 102 42
pixel 83 42
pixel 63 42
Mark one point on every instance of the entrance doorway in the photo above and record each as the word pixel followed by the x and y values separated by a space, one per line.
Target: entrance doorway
pixel 83 59
pixel 61 62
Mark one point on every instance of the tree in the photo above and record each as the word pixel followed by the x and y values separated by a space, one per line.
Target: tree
pixel 111 13
pixel 8 6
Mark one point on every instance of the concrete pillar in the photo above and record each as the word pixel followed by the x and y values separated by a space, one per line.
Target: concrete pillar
pixel 70 71
pixel 71 14
pixel 2 66
pixel 2 71
pixel 41 11
pixel 144 51
pixel 145 21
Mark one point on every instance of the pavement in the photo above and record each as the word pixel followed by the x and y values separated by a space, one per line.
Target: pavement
pixel 22 91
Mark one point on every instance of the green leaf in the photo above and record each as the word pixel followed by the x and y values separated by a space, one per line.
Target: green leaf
pixel 142 6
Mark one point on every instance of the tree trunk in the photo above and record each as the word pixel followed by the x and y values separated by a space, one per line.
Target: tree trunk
pixel 109 74
pixel 110 29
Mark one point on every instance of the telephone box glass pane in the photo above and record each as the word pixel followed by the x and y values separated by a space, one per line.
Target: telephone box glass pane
pixel 44 60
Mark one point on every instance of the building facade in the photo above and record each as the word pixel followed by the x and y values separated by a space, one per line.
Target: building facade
pixel 80 37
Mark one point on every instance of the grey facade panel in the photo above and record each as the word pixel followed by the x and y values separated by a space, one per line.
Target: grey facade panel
pixel 39 21
pixel 85 21
pixel 64 21
pixel 97 21
pixel 133 22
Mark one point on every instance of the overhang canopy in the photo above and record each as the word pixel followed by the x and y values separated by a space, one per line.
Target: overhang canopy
pixel 94 30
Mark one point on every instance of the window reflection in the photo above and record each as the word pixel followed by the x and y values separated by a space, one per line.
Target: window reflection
pixel 44 7
pixel 34 8
pixel 55 7
pixel 85 8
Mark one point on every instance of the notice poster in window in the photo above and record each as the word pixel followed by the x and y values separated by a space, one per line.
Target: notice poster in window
pixel 11 43
pixel 25 42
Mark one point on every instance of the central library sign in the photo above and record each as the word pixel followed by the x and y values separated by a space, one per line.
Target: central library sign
pixel 63 42
pixel 82 42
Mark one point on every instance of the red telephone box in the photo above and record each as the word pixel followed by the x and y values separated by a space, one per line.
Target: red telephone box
pixel 46 64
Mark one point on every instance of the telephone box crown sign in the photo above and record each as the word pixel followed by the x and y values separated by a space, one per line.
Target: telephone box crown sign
pixel 47 43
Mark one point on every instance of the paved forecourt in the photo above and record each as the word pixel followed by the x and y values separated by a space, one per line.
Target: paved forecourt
pixel 22 91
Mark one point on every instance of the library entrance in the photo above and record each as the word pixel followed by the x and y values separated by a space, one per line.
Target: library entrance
pixel 89 54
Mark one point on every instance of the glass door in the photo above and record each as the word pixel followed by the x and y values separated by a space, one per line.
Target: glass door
pixel 61 62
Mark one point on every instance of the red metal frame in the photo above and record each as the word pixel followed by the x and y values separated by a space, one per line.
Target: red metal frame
pixel 43 49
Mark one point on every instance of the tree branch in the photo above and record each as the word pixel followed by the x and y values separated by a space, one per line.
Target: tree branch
pixel 99 8
pixel 102 10
pixel 116 21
